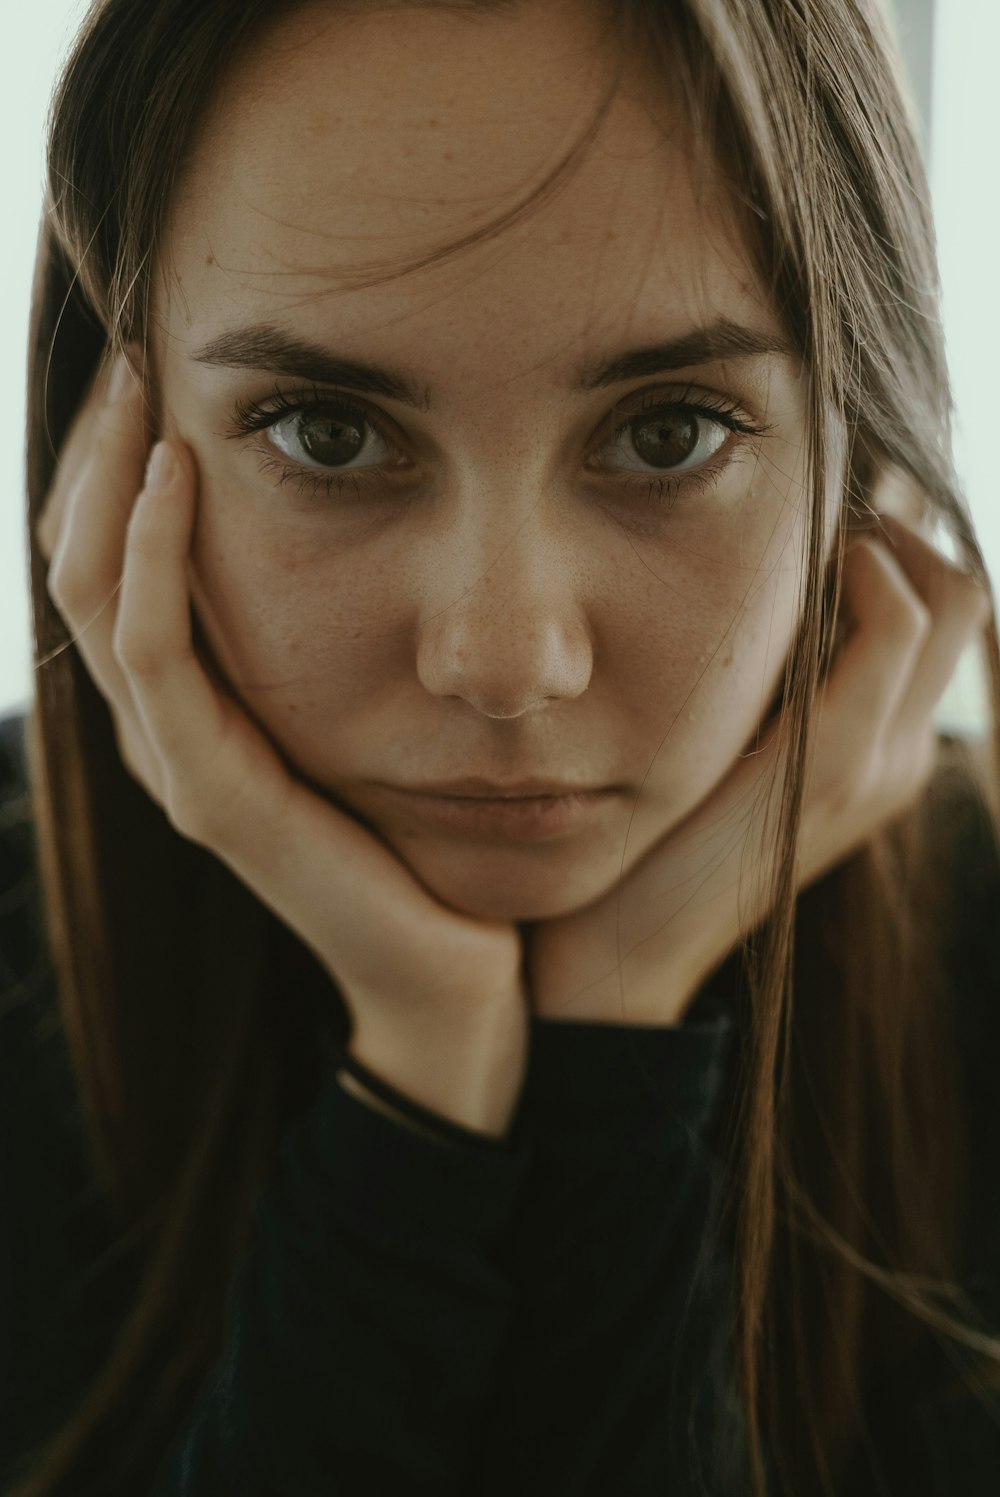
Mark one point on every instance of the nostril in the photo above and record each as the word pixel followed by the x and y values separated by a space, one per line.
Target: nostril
pixel 501 713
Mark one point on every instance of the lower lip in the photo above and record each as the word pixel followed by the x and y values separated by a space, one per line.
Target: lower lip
pixel 520 819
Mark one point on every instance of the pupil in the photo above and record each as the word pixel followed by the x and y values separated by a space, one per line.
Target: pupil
pixel 329 439
pixel 666 440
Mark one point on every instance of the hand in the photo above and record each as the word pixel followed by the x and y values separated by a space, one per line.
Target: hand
pixel 640 953
pixel 426 986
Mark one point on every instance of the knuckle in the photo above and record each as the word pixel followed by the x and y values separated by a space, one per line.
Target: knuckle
pixel 920 619
pixel 126 753
pixel 54 588
pixel 198 812
pixel 187 815
pixel 47 528
pixel 135 756
pixel 136 655
pixel 65 588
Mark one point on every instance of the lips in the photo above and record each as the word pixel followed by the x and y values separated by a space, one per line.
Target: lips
pixel 509 818
pixel 479 789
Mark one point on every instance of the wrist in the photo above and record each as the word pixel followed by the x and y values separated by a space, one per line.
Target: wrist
pixel 468 1077
pixel 378 1104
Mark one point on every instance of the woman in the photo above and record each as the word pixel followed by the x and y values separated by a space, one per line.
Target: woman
pixel 519 940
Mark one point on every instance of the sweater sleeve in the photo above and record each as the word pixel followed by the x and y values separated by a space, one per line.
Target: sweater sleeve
pixel 364 1320
pixel 619 1378
pixel 955 1410
pixel 935 1426
pixel 443 1316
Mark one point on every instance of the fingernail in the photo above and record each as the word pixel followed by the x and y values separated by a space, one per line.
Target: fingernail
pixel 159 469
pixel 122 381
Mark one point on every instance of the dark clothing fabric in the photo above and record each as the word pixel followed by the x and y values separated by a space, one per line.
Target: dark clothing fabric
pixel 422 1316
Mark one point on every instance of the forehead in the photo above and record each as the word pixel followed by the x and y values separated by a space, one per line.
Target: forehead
pixel 342 146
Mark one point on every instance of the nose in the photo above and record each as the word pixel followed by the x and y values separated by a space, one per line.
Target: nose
pixel 507 637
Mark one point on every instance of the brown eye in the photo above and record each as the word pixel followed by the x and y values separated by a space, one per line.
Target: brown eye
pixel 329 437
pixel 664 441
pixel 670 439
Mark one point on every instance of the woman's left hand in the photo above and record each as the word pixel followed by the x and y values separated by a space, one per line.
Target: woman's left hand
pixel 640 953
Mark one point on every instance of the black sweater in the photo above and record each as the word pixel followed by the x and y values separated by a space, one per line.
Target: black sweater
pixel 415 1315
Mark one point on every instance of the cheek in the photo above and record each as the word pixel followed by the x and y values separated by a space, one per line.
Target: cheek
pixel 302 644
pixel 756 643
pixel 720 652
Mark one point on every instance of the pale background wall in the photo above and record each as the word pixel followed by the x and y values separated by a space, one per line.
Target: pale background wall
pixel 37 37
pixel 950 48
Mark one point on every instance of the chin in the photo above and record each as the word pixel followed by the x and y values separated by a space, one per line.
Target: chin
pixel 493 886
pixel 515 882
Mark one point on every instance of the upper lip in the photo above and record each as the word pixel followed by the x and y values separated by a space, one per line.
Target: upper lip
pixel 490 790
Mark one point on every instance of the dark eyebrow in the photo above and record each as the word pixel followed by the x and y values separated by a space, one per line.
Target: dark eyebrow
pixel 702 345
pixel 266 347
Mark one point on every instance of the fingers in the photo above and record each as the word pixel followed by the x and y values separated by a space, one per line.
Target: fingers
pixel 911 613
pixel 888 624
pixel 957 607
pixel 82 532
pixel 110 398
pixel 152 643
pixel 100 473
pixel 74 451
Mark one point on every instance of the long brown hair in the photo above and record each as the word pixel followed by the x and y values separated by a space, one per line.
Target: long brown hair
pixel 187 1004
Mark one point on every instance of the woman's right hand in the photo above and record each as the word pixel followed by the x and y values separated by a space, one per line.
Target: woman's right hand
pixel 436 998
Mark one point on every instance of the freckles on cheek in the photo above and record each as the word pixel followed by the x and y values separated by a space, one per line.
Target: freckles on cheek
pixel 274 613
pixel 740 682
pixel 735 626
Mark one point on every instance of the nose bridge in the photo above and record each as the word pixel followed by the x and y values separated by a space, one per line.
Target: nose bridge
pixel 503 617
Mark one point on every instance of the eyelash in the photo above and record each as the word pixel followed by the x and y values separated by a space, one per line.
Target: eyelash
pixel 251 417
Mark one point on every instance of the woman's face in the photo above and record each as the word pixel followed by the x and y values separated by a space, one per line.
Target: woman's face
pixel 504 555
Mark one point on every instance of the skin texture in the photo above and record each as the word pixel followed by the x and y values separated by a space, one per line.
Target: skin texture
pixel 498 605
